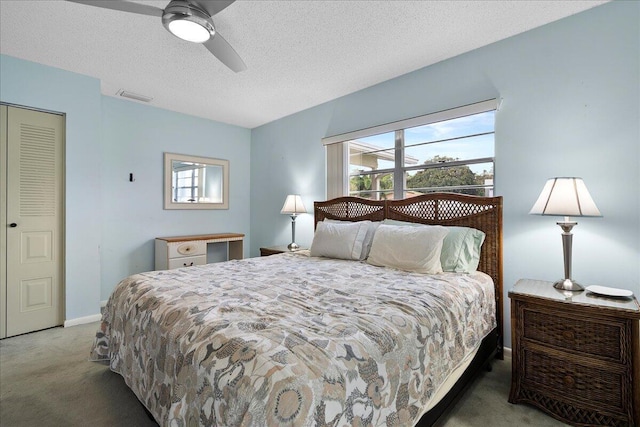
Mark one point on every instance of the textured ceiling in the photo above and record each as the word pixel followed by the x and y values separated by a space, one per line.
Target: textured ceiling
pixel 299 53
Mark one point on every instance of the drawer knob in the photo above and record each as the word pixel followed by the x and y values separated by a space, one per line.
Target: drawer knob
pixel 569 335
pixel 569 381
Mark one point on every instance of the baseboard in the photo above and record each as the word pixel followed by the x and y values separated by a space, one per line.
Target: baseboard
pixel 82 320
pixel 506 351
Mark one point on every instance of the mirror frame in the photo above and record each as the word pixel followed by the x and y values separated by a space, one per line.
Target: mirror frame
pixel 169 158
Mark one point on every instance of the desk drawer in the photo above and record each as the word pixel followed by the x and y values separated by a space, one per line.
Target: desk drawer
pixel 187 261
pixel 187 249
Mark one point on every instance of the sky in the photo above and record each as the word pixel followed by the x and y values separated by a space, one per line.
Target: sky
pixel 420 145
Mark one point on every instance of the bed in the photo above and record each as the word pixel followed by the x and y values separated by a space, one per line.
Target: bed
pixel 295 340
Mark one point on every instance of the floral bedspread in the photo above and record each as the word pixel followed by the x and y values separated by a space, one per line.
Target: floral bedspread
pixel 291 340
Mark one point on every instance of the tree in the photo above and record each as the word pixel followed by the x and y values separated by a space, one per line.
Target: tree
pixel 364 182
pixel 445 176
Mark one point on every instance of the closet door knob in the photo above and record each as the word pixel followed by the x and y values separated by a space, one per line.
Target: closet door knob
pixel 13 225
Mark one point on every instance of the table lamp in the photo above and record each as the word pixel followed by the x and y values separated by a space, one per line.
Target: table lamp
pixel 566 196
pixel 293 206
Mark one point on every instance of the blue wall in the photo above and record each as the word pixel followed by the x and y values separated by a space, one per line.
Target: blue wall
pixel 34 85
pixel 571 107
pixel 134 139
pixel 570 90
pixel 111 222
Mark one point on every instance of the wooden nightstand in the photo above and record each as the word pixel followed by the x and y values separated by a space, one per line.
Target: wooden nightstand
pixel 273 250
pixel 575 355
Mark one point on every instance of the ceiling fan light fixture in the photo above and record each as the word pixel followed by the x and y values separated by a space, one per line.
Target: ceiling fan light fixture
pixel 189 31
pixel 188 22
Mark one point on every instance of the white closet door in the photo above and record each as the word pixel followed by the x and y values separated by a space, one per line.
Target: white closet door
pixel 34 218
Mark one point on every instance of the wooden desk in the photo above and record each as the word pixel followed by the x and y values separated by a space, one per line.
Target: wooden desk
pixel 187 251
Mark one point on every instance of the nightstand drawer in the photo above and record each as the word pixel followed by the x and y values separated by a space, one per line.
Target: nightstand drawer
pixel 570 381
pixel 593 337
pixel 187 261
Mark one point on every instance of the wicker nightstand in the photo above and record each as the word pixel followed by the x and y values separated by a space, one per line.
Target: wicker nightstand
pixel 575 355
pixel 273 250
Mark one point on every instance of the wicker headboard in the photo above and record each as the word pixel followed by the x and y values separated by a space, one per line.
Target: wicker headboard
pixel 482 213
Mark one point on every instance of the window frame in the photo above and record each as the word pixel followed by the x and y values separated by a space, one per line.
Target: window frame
pixel 338 156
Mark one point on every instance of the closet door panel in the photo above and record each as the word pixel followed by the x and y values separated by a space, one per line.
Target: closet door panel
pixel 3 221
pixel 34 217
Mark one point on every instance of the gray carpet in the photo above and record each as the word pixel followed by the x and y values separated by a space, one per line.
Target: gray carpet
pixel 46 380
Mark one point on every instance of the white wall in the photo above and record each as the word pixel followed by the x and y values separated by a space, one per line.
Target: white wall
pixel 571 107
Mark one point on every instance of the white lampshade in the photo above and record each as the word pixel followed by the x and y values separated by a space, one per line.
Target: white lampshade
pixel 293 205
pixel 565 196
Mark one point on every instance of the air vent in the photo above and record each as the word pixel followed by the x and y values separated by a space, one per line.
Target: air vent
pixel 136 96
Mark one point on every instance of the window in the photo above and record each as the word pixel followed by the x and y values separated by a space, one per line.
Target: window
pixel 448 151
pixel 186 184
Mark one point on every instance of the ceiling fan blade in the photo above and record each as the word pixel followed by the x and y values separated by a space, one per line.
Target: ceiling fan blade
pixel 124 6
pixel 222 50
pixel 212 6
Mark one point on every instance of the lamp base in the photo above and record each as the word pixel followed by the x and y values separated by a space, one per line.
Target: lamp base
pixel 568 285
pixel 293 246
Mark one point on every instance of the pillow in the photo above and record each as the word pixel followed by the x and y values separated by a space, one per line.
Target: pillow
pixel 368 239
pixel 408 248
pixel 460 249
pixel 343 240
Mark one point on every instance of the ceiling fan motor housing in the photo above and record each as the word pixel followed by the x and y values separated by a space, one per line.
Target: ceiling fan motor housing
pixel 181 10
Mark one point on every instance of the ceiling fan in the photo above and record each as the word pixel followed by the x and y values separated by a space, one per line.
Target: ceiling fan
pixel 189 20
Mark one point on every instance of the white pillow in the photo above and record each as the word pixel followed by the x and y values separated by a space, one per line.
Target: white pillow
pixel 343 240
pixel 460 249
pixel 408 248
pixel 368 239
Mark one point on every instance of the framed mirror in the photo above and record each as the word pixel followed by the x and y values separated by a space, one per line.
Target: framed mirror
pixel 192 182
